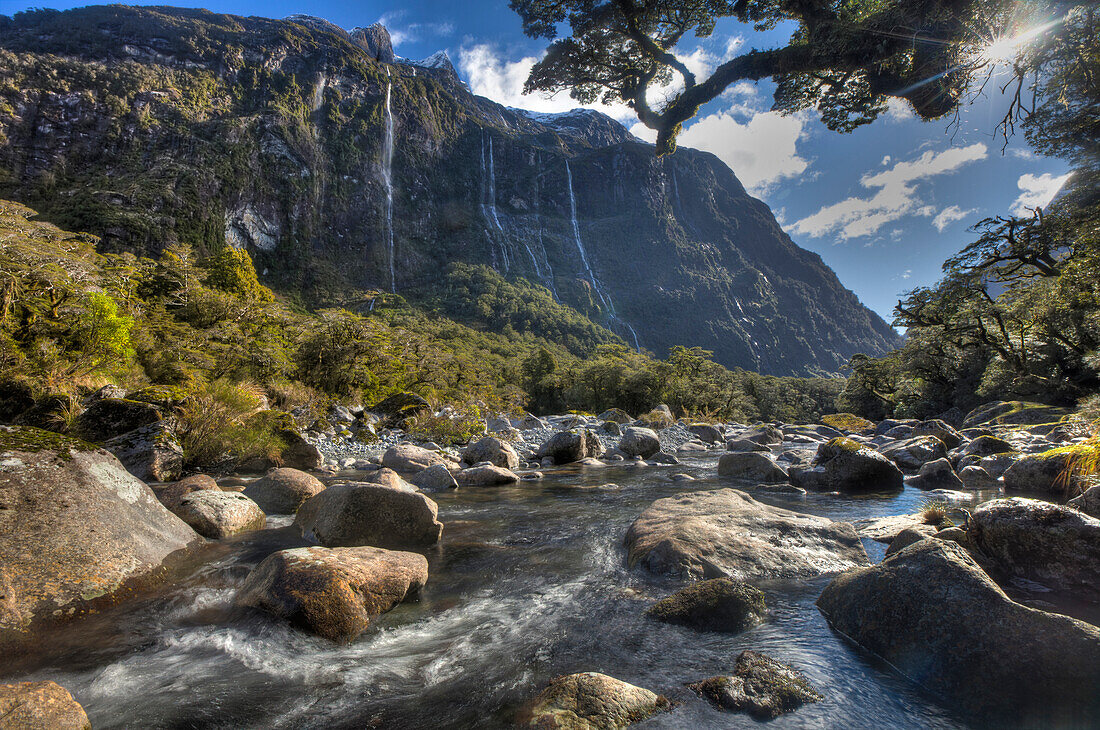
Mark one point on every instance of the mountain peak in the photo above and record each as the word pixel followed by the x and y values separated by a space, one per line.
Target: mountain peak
pixel 375 40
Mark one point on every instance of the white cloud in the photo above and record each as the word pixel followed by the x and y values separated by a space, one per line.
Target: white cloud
pixel 760 151
pixel 949 215
pixel 886 160
pixel 1038 191
pixel 897 195
pixel 907 273
pixel 898 110
pixel 733 44
pixel 400 34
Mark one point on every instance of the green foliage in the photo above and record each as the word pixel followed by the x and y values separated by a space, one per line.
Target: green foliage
pixel 214 425
pixel 847 422
pixel 458 427
pixel 231 270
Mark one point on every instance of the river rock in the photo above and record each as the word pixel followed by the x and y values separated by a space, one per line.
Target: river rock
pixel 389 478
pixel 1038 473
pixel 282 491
pixel 727 533
pixel 216 514
pixel 333 592
pixel 171 495
pixel 975 477
pixel 719 604
pixel 485 475
pixel 566 447
pixel 706 433
pixel 997 464
pixel 751 465
pixel 986 446
pixel 663 457
pixel 937 474
pixel 110 417
pixel 886 529
pixel 491 449
pixel 934 614
pixel 745 445
pixel 435 478
pixel 347 515
pixel 40 706
pixel 409 459
pixel 908 536
pixel 1088 502
pixel 915 452
pixel 941 430
pixel 760 685
pixel 1050 544
pixel 637 441
pixel 764 435
pixel 151 453
pixel 847 466
pixel 592 701
pixel 74 526
pixel 617 415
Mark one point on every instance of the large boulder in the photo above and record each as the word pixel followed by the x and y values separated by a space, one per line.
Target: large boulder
pixel 719 604
pixel 760 685
pixel 986 446
pixel 637 441
pixel 746 445
pixel 1056 546
pixel 216 514
pixel 915 452
pixel 941 430
pixel 350 515
pixel 151 453
pixel 107 418
pixel 932 613
pixel 616 415
pixel 975 477
pixel 171 495
pixel 1013 413
pixel 727 533
pixel 706 433
pixel 566 447
pixel 591 701
pixel 485 475
pixel 493 450
pixel 765 435
pixel 1046 472
pixel 282 491
pixel 751 465
pixel 937 474
pixel 847 466
pixel 333 592
pixel 40 706
pixel 400 407
pixel 409 459
pixel 75 526
pixel 434 479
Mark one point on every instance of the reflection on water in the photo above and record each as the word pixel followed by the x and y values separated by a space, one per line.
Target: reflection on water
pixel 528 583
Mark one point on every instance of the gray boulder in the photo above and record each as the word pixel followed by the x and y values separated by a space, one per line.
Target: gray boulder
pixel 751 465
pixel 941 430
pixel 566 447
pixel 616 415
pixel 171 495
pixel 932 613
pixel 493 450
pixel 282 491
pixel 986 446
pixel 706 433
pixel 1088 501
pixel 727 533
pixel 975 477
pixel 216 514
pixel 1039 473
pixel 847 466
pixel 637 441
pixel 937 474
pixel 915 452
pixel 152 453
pixel 351 515
pixel 434 479
pixel 745 445
pixel 485 475
pixel 910 535
pixel 765 435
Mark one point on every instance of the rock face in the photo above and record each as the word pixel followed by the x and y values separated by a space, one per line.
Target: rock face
pixel 409 459
pixel 933 614
pixel 375 40
pixel 638 441
pixel 40 706
pixel 333 593
pixel 282 491
pixel 346 515
pixel 719 604
pixel 566 447
pixel 751 465
pixel 76 526
pixel 495 451
pixel 151 453
pixel 727 533
pixel 217 514
pixel 1047 543
pixel 1038 473
pixel 761 686
pixel 847 466
pixel 592 701
pixel 684 252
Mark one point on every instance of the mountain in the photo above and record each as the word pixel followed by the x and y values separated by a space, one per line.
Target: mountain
pixel 340 171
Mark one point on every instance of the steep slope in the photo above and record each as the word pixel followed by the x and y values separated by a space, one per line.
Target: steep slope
pixel 339 171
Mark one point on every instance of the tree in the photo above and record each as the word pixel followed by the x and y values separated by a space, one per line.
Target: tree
pixel 844 58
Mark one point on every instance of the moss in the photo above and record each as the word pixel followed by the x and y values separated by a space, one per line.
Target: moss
pixel 166 396
pixel 846 422
pixel 33 440
pixel 845 444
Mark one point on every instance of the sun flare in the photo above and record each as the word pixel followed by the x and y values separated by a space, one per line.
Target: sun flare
pixel 1005 49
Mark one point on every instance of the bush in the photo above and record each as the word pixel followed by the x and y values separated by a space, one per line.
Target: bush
pixel 448 428
pixel 935 513
pixel 214 425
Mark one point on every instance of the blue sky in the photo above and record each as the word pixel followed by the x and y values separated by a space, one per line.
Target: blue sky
pixel 884 206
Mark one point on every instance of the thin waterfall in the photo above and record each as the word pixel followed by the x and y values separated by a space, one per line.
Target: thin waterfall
pixel 604 296
pixel 489 202
pixel 387 178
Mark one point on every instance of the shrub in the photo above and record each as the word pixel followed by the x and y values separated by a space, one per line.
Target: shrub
pixel 448 428
pixel 934 512
pixel 214 425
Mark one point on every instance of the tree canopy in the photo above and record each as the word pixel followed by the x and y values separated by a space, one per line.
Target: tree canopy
pixel 844 58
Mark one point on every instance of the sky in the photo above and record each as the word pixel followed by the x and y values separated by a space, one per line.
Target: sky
pixel 884 206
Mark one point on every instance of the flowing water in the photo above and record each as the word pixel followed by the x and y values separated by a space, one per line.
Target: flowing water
pixel 387 179
pixel 529 582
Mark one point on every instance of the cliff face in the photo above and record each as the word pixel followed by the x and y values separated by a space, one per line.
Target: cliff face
pixel 338 171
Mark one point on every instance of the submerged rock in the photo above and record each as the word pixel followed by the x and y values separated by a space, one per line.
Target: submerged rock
pixel 592 701
pixel 74 526
pixel 727 533
pixel 333 592
pixel 761 686
pixel 216 514
pixel 1056 546
pixel 282 491
pixel 347 515
pixel 719 604
pixel 934 614
pixel 40 706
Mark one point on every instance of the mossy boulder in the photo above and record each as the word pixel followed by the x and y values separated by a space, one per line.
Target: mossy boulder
pixel 591 701
pixel 46 412
pixel 761 686
pixel 336 592
pixel 165 397
pixel 108 418
pixel 40 706
pixel 719 604
pixel 848 423
pixel 1013 413
pixel 845 465
pixel 16 396
pixel 1045 472
pixel 400 407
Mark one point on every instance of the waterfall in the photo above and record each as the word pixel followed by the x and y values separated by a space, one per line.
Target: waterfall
pixel 387 179
pixel 489 201
pixel 604 296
